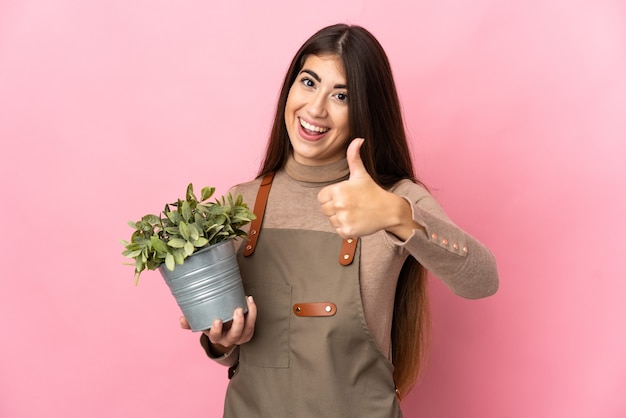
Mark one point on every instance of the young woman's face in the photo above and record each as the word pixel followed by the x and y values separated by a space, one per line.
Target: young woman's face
pixel 316 113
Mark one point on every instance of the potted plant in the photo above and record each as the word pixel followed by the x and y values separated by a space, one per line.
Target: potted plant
pixel 191 243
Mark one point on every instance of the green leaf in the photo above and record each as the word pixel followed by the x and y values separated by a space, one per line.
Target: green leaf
pixel 186 211
pixel 169 261
pixel 200 242
pixel 131 254
pixel 189 195
pixel 188 248
pixel 177 243
pixel 207 192
pixel 145 226
pixel 239 201
pixel 241 218
pixel 175 217
pixel 172 231
pixel 217 209
pixel 184 230
pixel 158 245
pixel 179 257
pixel 133 246
pixel 194 233
pixel 139 265
pixel 152 219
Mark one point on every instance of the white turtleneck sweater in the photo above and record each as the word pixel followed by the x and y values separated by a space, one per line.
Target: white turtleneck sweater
pixel 446 251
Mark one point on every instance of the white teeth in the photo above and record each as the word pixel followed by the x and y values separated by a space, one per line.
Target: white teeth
pixel 313 128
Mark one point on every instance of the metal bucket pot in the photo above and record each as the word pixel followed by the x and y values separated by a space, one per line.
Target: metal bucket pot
pixel 208 285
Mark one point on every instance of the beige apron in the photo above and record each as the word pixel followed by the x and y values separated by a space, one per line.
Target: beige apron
pixel 311 354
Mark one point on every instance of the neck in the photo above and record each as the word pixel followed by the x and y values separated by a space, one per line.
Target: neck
pixel 330 173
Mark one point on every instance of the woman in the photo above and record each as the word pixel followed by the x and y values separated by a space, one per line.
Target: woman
pixel 336 262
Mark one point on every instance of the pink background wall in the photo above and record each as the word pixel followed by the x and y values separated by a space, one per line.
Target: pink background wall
pixel 517 115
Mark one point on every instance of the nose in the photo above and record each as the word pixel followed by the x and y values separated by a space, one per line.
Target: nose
pixel 317 106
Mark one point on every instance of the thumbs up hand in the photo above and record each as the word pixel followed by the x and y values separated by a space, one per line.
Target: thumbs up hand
pixel 359 206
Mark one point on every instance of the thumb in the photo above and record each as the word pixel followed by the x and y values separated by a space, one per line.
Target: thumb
pixel 353 155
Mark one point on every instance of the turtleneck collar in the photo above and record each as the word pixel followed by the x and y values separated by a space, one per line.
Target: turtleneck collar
pixel 317 174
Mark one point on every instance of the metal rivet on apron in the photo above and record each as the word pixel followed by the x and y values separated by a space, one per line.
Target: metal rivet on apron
pixel 328 308
pixel 249 247
pixel 298 309
pixel 346 256
pixel 253 232
pixel 350 240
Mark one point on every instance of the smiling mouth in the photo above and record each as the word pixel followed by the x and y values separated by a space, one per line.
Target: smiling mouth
pixel 312 128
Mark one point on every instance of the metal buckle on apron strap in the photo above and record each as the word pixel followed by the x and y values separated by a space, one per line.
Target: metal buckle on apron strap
pixel 315 309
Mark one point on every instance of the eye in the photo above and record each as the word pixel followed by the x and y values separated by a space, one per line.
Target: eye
pixel 342 97
pixel 307 82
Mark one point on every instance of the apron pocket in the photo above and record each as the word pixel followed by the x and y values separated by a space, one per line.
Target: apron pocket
pixel 269 346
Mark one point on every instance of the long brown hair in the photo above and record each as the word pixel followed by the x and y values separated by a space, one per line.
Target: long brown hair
pixel 374 114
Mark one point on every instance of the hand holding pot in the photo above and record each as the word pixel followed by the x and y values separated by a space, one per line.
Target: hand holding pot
pixel 223 336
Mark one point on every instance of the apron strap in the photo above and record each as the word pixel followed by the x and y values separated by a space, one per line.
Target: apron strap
pixel 259 211
pixel 348 247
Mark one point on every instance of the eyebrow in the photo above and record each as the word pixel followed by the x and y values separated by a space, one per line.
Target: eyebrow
pixel 319 79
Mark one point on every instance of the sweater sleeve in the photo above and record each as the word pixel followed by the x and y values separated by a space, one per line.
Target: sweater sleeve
pixel 229 359
pixel 465 265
